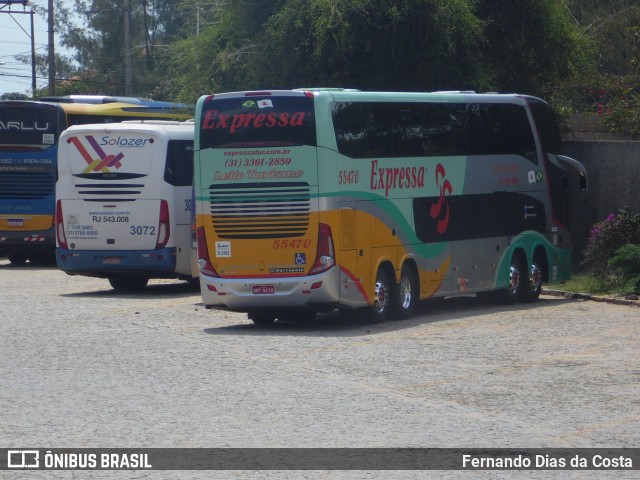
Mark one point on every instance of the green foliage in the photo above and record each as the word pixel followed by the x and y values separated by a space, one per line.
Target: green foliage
pixel 587 283
pixel 373 45
pixel 186 48
pixel 13 96
pixel 376 45
pixel 621 113
pixel 532 45
pixel 626 263
pixel 607 81
pixel 95 30
pixel 606 238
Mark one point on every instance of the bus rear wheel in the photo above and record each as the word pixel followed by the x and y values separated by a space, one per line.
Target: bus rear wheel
pixel 17 259
pixel 300 315
pixel 517 281
pixel 385 297
pixel 262 318
pixel 536 277
pixel 407 292
pixel 131 283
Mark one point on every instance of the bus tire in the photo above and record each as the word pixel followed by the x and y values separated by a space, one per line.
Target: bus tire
pixel 518 280
pixel 385 297
pixel 130 283
pixel 262 318
pixel 536 277
pixel 43 259
pixel 17 259
pixel 408 292
pixel 299 315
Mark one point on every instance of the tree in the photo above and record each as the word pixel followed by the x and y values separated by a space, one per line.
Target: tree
pixel 614 27
pixel 98 40
pixel 367 44
pixel 532 45
pixel 183 49
pixel 222 56
pixel 374 44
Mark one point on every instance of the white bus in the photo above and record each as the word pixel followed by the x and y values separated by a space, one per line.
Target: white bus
pixel 123 201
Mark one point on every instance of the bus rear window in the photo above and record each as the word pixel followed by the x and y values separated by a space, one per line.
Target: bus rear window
pixel 29 125
pixel 272 120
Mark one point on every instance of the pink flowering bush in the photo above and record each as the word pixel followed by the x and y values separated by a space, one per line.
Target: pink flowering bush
pixel 606 238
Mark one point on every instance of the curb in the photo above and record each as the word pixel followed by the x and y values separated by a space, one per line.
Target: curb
pixel 594 298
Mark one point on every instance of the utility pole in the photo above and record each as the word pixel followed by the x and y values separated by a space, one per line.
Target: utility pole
pixel 52 57
pixel 33 59
pixel 128 76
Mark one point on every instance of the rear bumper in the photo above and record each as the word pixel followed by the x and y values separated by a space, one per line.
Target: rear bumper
pixel 239 294
pixel 104 262
pixel 26 243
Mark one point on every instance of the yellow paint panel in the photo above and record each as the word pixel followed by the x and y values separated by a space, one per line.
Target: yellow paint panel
pixel 23 223
pixel 431 280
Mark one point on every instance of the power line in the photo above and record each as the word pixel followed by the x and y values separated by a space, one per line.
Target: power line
pixel 30 12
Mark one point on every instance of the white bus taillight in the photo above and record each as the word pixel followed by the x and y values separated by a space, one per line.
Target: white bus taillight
pixel 62 239
pixel 164 229
pixel 325 256
pixel 204 261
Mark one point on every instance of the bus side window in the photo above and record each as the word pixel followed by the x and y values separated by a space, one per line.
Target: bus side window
pixel 179 165
pixel 517 133
pixel 500 129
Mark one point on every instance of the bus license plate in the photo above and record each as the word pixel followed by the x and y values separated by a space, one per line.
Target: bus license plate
pixel 111 261
pixel 12 222
pixel 263 289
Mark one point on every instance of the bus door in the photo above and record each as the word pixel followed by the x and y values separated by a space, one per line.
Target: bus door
pixel 179 174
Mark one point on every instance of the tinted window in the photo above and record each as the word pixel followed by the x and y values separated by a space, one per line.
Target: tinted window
pixel 179 167
pixel 370 130
pixel 81 119
pixel 489 215
pixel 30 125
pixel 547 124
pixel 268 120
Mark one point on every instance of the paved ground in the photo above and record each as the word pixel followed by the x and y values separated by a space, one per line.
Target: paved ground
pixel 85 366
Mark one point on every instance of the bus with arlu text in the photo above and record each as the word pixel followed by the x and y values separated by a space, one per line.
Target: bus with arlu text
pixel 124 200
pixel 309 201
pixel 29 132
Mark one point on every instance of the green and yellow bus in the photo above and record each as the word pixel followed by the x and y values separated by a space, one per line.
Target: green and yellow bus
pixel 308 201
pixel 29 132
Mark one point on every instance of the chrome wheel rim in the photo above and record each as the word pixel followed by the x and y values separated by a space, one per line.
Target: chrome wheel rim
pixel 406 295
pixel 536 278
pixel 514 280
pixel 382 296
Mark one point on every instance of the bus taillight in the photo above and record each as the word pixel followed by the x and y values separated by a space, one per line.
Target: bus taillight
pixel 325 257
pixel 204 261
pixel 164 228
pixel 62 239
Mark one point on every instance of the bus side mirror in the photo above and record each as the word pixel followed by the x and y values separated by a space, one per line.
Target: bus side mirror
pixel 583 184
pixel 578 167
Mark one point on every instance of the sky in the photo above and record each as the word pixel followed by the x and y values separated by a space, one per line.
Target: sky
pixel 15 31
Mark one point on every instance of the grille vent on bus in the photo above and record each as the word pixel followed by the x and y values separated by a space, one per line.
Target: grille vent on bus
pixel 27 186
pixel 260 210
pixel 104 192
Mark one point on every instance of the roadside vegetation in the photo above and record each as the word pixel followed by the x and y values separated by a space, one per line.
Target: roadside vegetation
pixel 611 264
pixel 582 55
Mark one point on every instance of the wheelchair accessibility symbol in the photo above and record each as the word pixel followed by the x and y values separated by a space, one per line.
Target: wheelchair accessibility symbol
pixel 301 259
